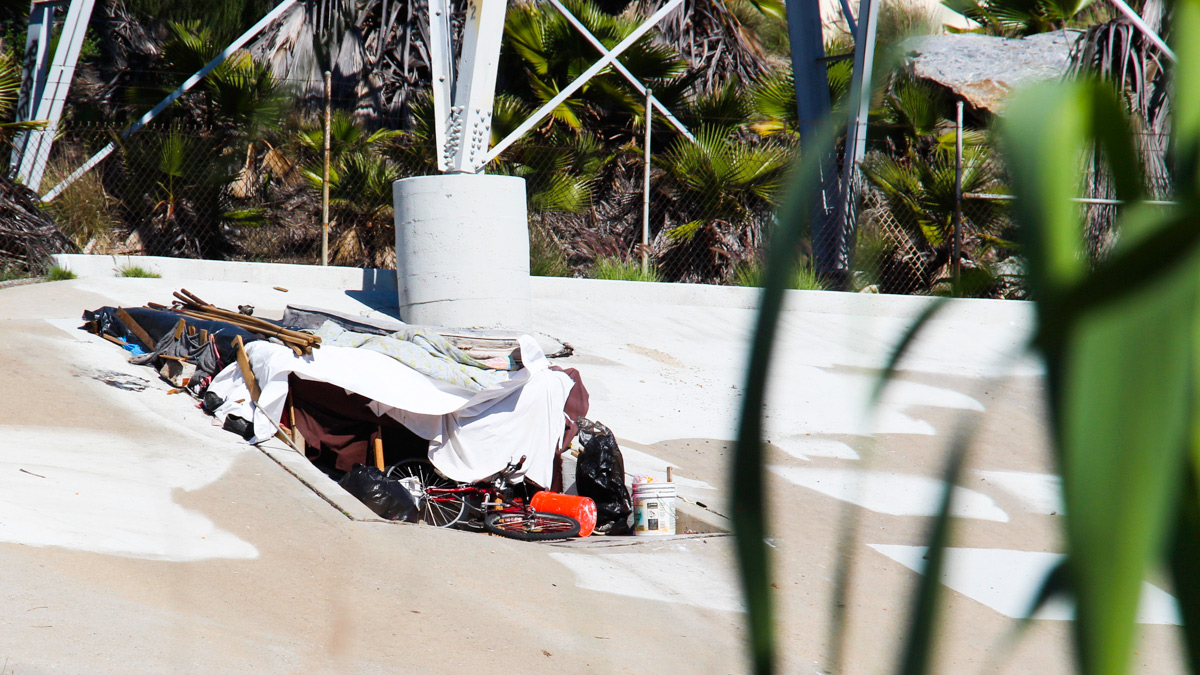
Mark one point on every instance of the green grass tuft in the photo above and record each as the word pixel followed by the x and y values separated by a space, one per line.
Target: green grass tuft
pixel 59 273
pixel 615 269
pixel 135 272
pixel 750 274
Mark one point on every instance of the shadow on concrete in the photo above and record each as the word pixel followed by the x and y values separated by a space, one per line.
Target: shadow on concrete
pixel 378 292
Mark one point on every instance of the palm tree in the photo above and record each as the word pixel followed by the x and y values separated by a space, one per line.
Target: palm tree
pixel 1118 53
pixel 378 50
pixel 1019 18
pixel 360 189
pixel 28 236
pixel 189 189
pixel 709 35
pixel 914 174
pixel 544 54
pixel 176 188
pixel 713 199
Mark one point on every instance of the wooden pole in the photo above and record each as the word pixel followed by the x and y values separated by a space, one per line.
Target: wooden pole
pixel 958 192
pixel 325 172
pixel 379 451
pixel 243 362
pixel 297 437
pixel 137 330
pixel 646 188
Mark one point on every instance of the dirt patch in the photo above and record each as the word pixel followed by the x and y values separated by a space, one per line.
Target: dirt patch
pixel 662 357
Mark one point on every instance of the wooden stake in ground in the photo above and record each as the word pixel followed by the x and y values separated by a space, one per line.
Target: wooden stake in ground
pixel 138 331
pixel 252 384
pixel 379 451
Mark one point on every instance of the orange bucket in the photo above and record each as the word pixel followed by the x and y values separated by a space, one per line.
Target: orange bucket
pixel 582 509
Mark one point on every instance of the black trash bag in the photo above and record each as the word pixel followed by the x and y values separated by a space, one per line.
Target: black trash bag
pixel 600 475
pixel 386 497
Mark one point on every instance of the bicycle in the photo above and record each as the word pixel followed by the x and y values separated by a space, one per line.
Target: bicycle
pixel 446 503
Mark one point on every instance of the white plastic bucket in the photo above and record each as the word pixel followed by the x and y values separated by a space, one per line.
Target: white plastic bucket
pixel 653 508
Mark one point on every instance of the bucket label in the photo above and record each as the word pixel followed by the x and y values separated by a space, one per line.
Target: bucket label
pixel 654 513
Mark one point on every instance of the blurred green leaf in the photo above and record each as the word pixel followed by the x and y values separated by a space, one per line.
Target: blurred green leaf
pixel 906 340
pixel 748 486
pixel 1184 553
pixel 922 622
pixel 1121 413
pixel 1185 97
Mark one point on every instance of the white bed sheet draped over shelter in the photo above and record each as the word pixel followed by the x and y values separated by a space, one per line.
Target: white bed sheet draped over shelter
pixel 473 435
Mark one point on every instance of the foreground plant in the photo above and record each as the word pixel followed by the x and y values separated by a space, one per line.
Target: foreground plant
pixel 1120 345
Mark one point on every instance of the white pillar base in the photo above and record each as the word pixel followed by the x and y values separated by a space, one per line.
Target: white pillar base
pixel 462 251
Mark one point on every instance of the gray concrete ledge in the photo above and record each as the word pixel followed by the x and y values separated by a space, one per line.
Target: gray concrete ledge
pixel 735 297
pixel 272 274
pixel 582 291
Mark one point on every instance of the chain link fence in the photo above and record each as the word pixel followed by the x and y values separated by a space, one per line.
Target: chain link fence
pixel 917 237
pixel 220 192
pixel 225 192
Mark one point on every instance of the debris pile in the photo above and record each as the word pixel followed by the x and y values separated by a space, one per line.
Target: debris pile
pixel 450 427
pixel 28 235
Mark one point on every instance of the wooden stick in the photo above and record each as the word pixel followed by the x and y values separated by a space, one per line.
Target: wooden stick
pixel 252 384
pixel 250 321
pixel 193 297
pixel 179 328
pixel 296 435
pixel 112 339
pixel 247 373
pixel 275 331
pixel 201 306
pixel 132 325
pixel 379 451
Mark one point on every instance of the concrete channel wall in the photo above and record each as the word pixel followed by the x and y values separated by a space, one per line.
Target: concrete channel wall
pixel 582 291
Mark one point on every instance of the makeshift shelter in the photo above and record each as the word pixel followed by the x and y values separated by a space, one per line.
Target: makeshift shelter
pixel 472 433
pixel 345 385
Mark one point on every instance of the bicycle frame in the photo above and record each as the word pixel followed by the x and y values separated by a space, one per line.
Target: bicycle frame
pixel 491 498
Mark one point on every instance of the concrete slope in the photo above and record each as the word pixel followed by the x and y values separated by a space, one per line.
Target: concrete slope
pixel 135 536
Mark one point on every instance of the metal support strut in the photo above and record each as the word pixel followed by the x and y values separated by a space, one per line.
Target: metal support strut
pixel 48 86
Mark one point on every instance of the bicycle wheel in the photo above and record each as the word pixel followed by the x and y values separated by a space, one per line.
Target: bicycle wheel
pixel 531 526
pixel 441 510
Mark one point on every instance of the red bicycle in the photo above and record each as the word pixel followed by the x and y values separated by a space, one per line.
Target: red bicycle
pixel 446 503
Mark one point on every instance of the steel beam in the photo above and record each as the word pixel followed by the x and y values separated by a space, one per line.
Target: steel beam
pixel 860 85
pixel 581 80
pixel 475 86
pixel 813 108
pixel 441 61
pixel 587 34
pixel 35 68
pixel 839 242
pixel 47 104
pixel 172 97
